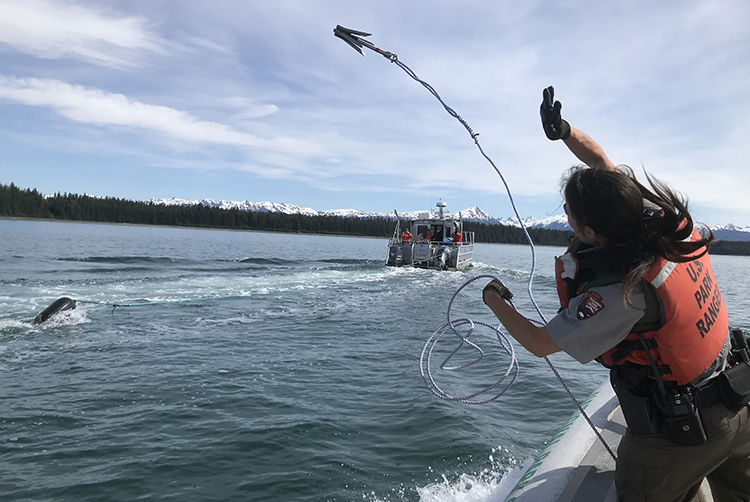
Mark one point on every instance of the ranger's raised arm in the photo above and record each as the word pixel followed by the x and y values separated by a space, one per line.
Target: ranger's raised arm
pixel 555 127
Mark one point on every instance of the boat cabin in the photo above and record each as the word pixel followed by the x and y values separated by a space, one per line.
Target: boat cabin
pixel 429 243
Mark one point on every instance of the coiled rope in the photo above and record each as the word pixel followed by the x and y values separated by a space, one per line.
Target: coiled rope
pixel 452 324
pixel 425 357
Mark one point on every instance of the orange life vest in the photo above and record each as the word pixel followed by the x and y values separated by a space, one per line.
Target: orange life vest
pixel 692 323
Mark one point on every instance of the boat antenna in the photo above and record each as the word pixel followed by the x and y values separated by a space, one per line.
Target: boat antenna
pixel 353 38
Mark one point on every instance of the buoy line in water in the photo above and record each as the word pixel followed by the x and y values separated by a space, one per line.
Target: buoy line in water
pixel 65 303
pixel 51 310
pixel 352 37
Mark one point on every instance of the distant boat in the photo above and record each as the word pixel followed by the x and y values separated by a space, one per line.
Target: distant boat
pixel 429 243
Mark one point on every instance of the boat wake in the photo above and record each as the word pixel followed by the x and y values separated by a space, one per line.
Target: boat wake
pixel 490 485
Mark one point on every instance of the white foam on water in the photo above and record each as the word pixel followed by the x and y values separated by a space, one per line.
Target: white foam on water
pixel 66 318
pixel 509 481
pixel 217 286
pixel 9 325
pixel 468 488
pixel 490 485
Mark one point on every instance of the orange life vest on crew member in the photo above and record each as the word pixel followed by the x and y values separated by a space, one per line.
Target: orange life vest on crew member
pixel 685 324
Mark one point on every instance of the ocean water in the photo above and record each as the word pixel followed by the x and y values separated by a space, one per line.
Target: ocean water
pixel 216 365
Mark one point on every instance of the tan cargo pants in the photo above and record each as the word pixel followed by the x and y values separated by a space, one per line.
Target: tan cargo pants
pixel 652 469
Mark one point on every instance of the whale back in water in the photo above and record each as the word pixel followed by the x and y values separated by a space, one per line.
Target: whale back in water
pixel 58 305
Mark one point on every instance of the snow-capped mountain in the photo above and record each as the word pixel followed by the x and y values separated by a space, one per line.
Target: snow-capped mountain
pixel 245 205
pixel 728 232
pixel 731 232
pixel 559 222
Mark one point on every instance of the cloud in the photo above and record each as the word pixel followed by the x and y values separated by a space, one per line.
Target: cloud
pixel 94 106
pixel 53 31
pixel 249 109
pixel 266 89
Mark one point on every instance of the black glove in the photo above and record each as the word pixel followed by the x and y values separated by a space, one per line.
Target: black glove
pixel 499 288
pixel 552 122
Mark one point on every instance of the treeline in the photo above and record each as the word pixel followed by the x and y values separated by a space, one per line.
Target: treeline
pixel 513 235
pixel 737 248
pixel 29 203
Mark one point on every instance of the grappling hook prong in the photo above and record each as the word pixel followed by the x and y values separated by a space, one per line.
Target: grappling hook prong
pixel 352 37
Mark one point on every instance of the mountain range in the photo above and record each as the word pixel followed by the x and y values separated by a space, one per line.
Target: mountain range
pixel 728 232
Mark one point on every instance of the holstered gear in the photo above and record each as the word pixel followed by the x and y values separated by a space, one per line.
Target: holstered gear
pixel 636 400
pixel 649 404
pixel 734 382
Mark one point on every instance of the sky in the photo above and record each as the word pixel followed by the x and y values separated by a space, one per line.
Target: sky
pixel 257 100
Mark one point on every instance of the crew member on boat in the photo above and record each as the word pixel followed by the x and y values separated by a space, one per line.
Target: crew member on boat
pixel 406 236
pixel 456 236
pixel 638 294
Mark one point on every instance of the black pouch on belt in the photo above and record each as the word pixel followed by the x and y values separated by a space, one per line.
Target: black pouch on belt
pixel 683 420
pixel 734 385
pixel 734 382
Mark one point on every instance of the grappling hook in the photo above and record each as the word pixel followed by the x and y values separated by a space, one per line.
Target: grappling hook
pixel 352 37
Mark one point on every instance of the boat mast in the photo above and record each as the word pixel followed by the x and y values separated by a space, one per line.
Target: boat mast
pixel 441 205
pixel 397 230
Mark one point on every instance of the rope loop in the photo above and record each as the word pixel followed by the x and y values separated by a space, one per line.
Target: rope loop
pixel 450 326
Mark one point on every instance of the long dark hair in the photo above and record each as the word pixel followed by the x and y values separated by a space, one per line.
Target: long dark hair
pixel 644 223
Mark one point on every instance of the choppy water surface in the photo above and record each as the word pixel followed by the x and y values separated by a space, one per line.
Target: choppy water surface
pixel 262 367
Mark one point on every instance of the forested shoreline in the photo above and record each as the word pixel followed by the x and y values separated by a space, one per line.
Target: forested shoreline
pixel 29 203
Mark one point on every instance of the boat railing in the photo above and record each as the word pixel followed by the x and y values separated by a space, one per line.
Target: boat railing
pixel 467 239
